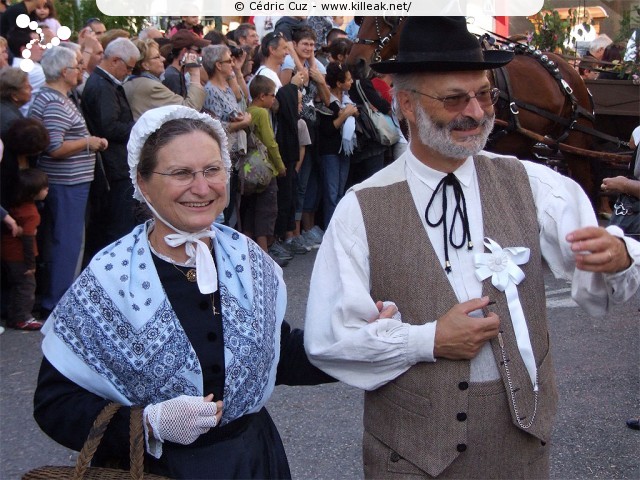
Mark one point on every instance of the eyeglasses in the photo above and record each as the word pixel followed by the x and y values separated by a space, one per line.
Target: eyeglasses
pixel 485 98
pixel 225 61
pixel 129 67
pixel 184 177
pixel 73 68
pixel 156 57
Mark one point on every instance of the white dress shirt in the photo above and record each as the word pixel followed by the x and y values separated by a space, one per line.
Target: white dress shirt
pixel 338 336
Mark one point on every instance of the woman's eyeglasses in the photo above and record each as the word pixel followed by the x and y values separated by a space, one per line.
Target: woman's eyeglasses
pixel 185 177
pixel 485 98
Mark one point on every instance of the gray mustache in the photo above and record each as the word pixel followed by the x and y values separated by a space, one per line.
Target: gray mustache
pixel 467 123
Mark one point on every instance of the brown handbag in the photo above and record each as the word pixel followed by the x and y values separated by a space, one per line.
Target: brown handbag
pixel 82 470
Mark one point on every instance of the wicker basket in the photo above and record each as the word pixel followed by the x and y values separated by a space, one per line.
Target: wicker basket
pixel 82 470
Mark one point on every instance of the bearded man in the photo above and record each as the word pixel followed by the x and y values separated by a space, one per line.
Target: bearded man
pixel 462 384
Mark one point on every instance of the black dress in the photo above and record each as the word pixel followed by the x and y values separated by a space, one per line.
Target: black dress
pixel 249 447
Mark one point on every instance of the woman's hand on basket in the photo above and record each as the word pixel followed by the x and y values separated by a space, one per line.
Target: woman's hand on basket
pixel 183 419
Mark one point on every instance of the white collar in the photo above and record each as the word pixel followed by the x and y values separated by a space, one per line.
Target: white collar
pixel 431 177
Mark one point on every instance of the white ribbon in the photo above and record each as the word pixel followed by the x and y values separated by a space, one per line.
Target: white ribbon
pixel 199 256
pixel 502 266
pixel 197 251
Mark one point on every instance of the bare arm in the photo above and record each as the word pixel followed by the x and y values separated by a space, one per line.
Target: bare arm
pixel 621 184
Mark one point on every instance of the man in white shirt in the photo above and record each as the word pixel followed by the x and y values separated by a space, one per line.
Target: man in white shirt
pixel 462 385
pixel 274 50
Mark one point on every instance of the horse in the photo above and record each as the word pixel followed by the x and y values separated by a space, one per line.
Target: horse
pixel 542 97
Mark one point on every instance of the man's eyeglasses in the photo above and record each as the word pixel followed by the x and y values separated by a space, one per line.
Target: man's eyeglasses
pixel 229 60
pixel 185 177
pixel 485 98
pixel 129 67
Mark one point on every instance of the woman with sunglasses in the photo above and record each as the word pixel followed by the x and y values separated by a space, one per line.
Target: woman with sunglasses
pixel 145 90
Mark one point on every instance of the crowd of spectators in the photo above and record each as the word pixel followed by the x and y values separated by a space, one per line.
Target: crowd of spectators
pixel 82 98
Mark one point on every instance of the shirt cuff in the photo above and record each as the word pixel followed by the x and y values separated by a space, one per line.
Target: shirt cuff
pixel 421 342
pixel 622 285
pixel 154 445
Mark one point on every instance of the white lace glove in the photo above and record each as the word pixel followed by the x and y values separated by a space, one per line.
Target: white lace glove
pixel 180 420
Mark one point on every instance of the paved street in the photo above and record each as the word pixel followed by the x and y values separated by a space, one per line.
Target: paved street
pixel 597 363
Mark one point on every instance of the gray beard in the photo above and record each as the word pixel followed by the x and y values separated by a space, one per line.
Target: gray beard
pixel 438 136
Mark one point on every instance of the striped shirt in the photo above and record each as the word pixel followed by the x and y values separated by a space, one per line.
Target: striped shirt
pixel 64 122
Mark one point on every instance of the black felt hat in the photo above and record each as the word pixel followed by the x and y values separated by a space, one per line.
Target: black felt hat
pixel 440 44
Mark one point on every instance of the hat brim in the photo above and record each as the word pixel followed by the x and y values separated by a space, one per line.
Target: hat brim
pixel 492 59
pixel 201 43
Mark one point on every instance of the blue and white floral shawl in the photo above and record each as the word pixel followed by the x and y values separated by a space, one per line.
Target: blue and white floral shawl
pixel 115 333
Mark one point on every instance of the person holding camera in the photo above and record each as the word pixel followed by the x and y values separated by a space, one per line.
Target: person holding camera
pixel 176 76
pixel 236 80
pixel 144 89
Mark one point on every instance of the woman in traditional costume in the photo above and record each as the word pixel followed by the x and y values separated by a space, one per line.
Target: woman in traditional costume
pixel 182 316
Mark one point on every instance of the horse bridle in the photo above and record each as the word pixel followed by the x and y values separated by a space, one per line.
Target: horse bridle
pixel 381 41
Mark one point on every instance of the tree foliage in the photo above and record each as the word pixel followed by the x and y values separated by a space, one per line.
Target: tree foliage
pixel 75 18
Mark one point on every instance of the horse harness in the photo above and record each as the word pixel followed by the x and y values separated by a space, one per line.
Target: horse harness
pixel 513 105
pixel 381 41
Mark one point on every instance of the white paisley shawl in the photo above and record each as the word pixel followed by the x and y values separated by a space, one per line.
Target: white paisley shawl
pixel 115 333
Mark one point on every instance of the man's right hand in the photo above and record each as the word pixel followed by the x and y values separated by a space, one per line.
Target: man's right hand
pixel 459 336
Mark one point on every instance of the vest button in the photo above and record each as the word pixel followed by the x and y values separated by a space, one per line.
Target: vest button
pixel 461 447
pixel 461 417
pixel 463 385
pixel 543 443
pixel 395 457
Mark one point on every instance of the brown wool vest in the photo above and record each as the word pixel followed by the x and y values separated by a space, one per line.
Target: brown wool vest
pixel 415 414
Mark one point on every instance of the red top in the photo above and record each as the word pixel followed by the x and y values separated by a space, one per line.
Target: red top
pixel 28 217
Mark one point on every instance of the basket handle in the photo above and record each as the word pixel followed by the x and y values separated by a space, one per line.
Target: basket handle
pixel 136 441
pixel 93 439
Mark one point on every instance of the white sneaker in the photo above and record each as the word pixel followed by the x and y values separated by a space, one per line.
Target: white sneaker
pixel 1 330
pixel 310 239
pixel 317 231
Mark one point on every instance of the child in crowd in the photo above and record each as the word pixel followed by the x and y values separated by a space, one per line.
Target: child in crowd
pixel 259 210
pixel 191 23
pixel 19 253
pixel 337 124
pixel 47 16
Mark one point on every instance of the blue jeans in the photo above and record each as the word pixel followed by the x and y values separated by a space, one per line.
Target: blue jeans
pixel 308 185
pixel 335 169
pixel 65 208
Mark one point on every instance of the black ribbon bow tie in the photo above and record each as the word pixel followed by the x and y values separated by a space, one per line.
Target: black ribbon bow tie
pixel 459 214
